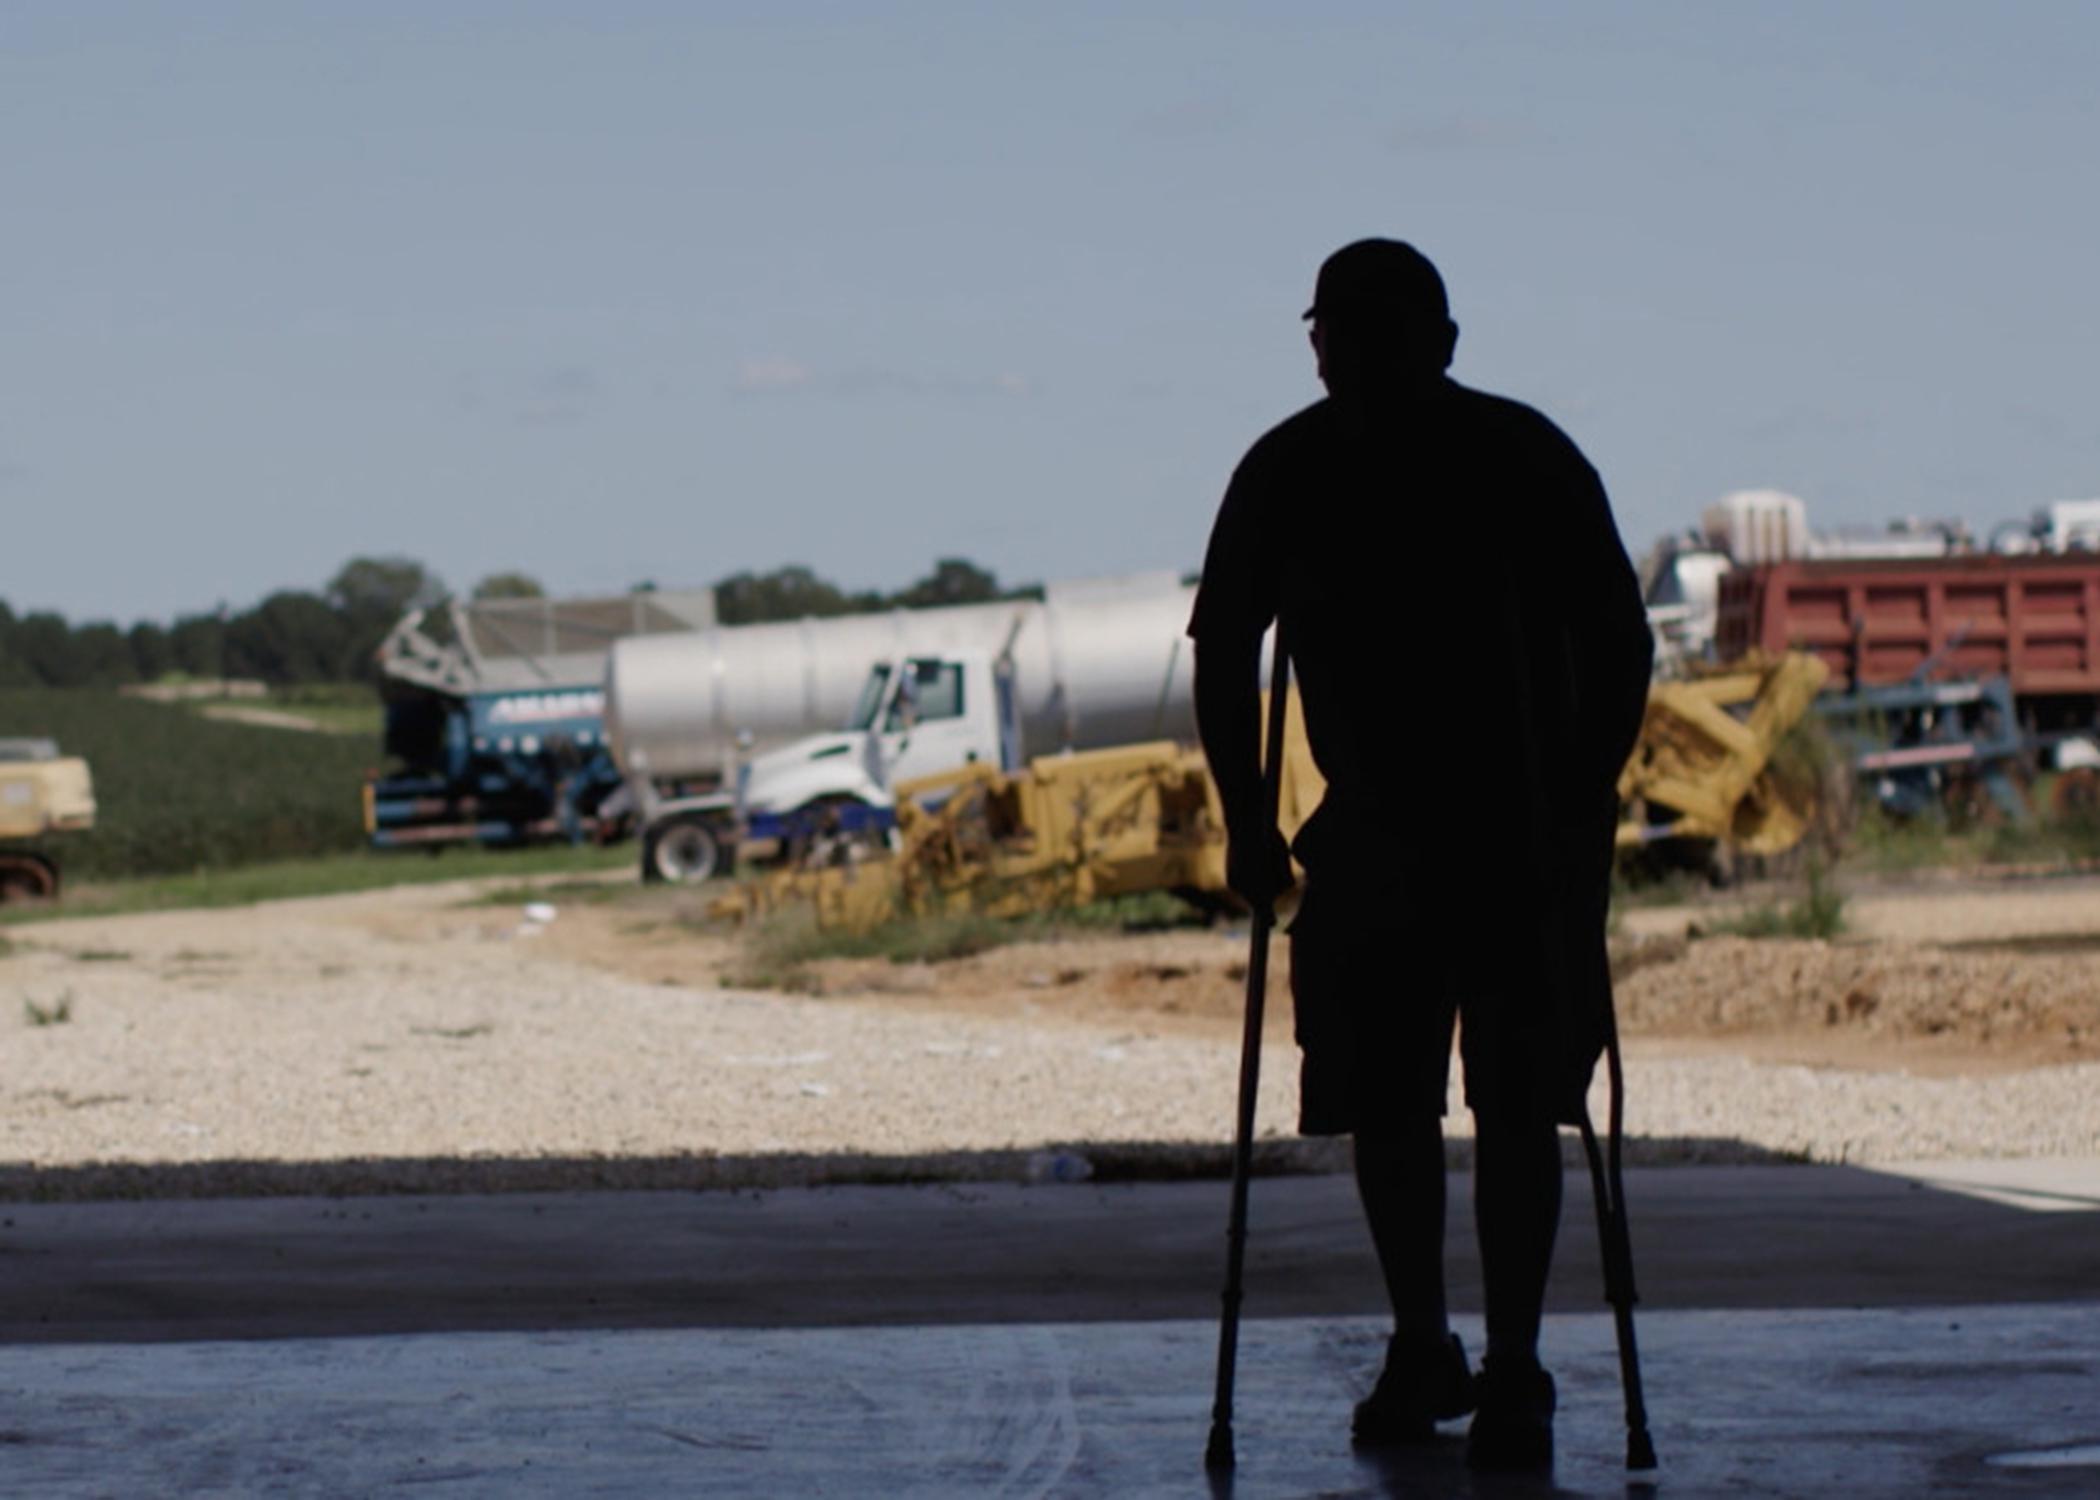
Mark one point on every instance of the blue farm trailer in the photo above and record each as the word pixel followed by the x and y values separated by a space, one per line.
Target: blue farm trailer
pixel 495 719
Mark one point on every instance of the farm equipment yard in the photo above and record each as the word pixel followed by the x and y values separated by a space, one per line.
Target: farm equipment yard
pixel 443 1037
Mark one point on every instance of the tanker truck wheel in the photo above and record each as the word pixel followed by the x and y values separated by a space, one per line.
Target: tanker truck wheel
pixel 682 851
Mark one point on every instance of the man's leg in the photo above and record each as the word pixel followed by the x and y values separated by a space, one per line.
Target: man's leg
pixel 1400 1177
pixel 1516 1210
pixel 1516 1203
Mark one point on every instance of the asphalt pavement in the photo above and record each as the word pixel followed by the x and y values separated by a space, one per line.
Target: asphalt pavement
pixel 1807 1330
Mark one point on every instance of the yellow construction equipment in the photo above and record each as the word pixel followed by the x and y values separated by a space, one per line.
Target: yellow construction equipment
pixel 1702 768
pixel 41 793
pixel 1073 828
pixel 1063 831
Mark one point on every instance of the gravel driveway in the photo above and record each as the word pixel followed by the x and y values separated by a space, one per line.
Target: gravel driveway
pixel 405 1024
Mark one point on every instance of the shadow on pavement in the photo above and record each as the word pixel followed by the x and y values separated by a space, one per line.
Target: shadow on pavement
pixel 1105 1161
pixel 951 1252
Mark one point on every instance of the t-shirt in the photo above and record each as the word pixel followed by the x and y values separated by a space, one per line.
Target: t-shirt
pixel 1466 630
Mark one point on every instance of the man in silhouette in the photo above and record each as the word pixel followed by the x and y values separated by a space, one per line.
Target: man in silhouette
pixel 1473 656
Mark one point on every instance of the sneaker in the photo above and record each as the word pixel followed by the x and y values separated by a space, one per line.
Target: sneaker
pixel 1420 1386
pixel 1513 1430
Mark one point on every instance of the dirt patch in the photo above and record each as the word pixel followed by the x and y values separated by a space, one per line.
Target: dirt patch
pixel 1181 983
pixel 1909 1004
pixel 1972 1005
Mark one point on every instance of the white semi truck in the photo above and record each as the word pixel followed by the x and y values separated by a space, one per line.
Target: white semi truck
pixel 710 727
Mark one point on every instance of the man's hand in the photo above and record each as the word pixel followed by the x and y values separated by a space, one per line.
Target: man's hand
pixel 1258 867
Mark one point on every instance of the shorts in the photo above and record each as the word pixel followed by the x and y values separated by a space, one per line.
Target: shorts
pixel 1375 1001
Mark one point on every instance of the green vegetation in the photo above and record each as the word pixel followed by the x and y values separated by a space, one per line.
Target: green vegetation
pixel 292 636
pixel 179 792
pixel 454 1033
pixel 794 593
pixel 778 951
pixel 1883 845
pixel 57 1013
pixel 359 870
pixel 577 892
pixel 305 636
pixel 337 707
pixel 1819 912
pixel 1142 911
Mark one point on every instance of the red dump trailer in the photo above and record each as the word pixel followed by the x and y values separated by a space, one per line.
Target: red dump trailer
pixel 2034 619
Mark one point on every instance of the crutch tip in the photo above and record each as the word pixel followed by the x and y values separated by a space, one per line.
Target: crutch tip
pixel 1640 1450
pixel 1218 1456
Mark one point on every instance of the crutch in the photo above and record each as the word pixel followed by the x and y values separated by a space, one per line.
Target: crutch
pixel 1608 1185
pixel 1218 1456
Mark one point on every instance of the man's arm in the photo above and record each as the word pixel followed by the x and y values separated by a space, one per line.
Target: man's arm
pixel 1228 717
pixel 1613 647
pixel 1235 605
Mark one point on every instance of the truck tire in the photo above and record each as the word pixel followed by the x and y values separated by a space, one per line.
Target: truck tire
pixel 820 834
pixel 683 851
pixel 27 877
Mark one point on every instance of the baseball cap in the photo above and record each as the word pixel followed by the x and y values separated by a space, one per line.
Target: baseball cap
pixel 1388 277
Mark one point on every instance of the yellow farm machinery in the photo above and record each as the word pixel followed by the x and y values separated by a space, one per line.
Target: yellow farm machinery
pixel 42 793
pixel 1703 767
pixel 1062 831
pixel 1069 829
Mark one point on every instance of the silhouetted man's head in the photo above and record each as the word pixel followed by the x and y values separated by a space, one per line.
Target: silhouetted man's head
pixel 1379 316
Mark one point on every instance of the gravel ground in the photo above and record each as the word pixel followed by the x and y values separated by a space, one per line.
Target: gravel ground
pixel 402 1024
pixel 1930 910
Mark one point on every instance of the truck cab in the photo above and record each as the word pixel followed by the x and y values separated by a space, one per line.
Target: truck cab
pixel 916 715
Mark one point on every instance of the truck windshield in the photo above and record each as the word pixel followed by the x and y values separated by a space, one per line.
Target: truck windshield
pixel 871 696
pixel 931 689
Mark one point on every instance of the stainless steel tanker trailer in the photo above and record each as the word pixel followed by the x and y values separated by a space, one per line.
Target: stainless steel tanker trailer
pixel 713 728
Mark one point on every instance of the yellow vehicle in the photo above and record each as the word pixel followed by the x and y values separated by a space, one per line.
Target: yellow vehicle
pixel 42 793
pixel 1064 830
pixel 1072 828
pixel 1703 769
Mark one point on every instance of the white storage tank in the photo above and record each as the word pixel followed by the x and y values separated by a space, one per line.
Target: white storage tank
pixel 1758 526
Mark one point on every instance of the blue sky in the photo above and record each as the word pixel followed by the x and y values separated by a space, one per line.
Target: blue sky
pixel 628 291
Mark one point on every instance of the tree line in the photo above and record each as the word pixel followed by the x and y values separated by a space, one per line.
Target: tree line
pixel 302 636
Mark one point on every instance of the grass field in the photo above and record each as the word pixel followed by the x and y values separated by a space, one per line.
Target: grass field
pixel 178 792
pixel 336 707
pixel 359 870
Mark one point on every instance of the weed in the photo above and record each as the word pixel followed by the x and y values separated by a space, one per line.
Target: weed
pixel 1640 880
pixel 2072 838
pixel 100 956
pixel 778 952
pixel 57 1013
pixel 1818 913
pixel 581 892
pixel 455 1033
pixel 1891 845
pixel 1141 911
pixel 6 947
